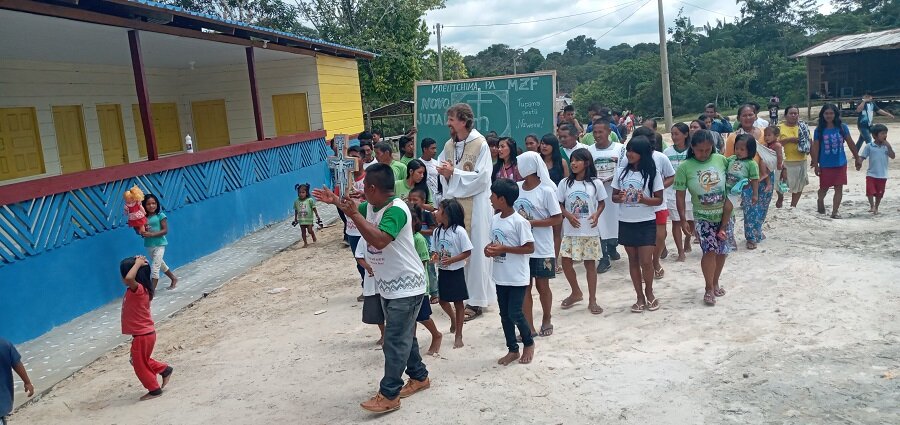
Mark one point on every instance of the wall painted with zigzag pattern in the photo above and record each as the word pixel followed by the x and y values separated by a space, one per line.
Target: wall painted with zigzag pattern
pixel 59 253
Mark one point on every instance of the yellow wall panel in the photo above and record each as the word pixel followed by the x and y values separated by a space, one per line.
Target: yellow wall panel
pixel 340 95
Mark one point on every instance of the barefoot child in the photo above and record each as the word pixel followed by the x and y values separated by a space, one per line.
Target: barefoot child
pixel 424 316
pixel 450 247
pixel 137 321
pixel 386 225
pixel 582 198
pixel 372 314
pixel 829 160
pixel 10 361
pixel 511 244
pixel 155 240
pixel 304 208
pixel 537 204
pixel 877 153
pixel 677 153
pixel 638 190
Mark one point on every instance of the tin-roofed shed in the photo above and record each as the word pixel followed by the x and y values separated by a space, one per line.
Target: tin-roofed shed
pixel 843 68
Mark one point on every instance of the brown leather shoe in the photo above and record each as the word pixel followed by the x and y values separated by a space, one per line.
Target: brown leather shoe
pixel 380 404
pixel 413 386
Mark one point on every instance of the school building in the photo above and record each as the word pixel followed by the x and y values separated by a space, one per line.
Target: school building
pixel 99 95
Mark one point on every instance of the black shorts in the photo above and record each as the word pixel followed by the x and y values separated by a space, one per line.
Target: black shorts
pixel 425 310
pixel 637 234
pixel 543 268
pixel 373 313
pixel 452 285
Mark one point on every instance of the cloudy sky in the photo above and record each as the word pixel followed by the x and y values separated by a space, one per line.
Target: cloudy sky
pixel 595 19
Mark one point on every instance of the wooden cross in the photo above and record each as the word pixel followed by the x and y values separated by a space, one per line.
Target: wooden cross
pixel 341 165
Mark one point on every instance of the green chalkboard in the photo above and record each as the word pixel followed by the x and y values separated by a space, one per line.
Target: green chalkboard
pixel 512 105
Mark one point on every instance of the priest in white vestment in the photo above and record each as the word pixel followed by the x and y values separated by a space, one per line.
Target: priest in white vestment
pixel 465 170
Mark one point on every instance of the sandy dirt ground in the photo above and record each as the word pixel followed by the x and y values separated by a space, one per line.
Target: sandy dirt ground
pixel 808 333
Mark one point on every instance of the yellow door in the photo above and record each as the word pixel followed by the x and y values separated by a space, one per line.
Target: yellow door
pixel 70 139
pixel 165 124
pixel 21 154
pixel 112 135
pixel 210 124
pixel 291 113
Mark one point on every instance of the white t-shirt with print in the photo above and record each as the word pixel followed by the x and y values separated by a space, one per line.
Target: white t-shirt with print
pixel 450 243
pixel 538 204
pixel 369 287
pixel 581 200
pixel 606 160
pixel 511 269
pixel 675 159
pixel 352 230
pixel 432 181
pixel 632 211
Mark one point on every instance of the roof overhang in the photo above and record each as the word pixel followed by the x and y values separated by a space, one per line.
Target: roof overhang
pixel 157 17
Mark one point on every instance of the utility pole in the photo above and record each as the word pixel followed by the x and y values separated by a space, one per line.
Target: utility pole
pixel 440 53
pixel 664 68
pixel 515 63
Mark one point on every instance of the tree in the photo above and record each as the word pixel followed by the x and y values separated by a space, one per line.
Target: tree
pixel 274 14
pixel 726 75
pixel 454 67
pixel 362 24
pixel 495 60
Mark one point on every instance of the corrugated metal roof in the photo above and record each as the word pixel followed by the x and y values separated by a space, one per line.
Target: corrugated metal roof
pixel 251 27
pixel 854 42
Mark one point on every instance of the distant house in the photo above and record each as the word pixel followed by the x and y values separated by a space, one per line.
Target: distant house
pixel 843 68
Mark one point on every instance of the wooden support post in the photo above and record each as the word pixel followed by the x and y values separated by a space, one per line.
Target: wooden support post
pixel 254 95
pixel 140 84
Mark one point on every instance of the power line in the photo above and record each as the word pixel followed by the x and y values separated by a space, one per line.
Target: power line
pixel 623 21
pixel 620 7
pixel 708 10
pixel 534 21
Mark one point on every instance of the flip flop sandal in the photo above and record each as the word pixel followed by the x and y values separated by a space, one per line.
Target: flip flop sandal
pixel 595 309
pixel 475 312
pixel 719 292
pixel 659 273
pixel 434 299
pixel 837 216
pixel 664 254
pixel 653 305
pixel 546 330
pixel 710 298
pixel 637 308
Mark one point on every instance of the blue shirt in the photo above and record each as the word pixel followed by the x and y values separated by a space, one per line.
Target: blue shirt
pixel 878 160
pixel 9 357
pixel 831 146
pixel 721 126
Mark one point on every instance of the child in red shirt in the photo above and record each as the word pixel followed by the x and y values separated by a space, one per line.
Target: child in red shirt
pixel 138 322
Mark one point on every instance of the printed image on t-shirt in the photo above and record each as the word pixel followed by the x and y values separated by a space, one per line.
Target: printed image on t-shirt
pixel 632 185
pixel 443 249
pixel 709 179
pixel 736 173
pixel 606 167
pixel 525 208
pixel 498 237
pixel 578 204
pixel 833 142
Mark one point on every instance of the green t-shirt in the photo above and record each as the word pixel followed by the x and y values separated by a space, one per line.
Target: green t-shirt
pixel 421 246
pixel 405 159
pixel 399 169
pixel 155 223
pixel 304 209
pixel 392 221
pixel 706 183
pixel 739 169
pixel 588 138
pixel 401 190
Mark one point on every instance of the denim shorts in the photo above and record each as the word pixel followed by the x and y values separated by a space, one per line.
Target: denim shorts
pixel 542 267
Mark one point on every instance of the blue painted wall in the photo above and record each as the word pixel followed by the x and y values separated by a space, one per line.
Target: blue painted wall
pixel 41 291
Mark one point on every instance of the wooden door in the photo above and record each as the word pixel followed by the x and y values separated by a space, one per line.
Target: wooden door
pixel 291 113
pixel 21 154
pixel 112 135
pixel 166 126
pixel 210 124
pixel 70 139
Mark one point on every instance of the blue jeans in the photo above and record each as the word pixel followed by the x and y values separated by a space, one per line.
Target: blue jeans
pixel 354 242
pixel 401 348
pixel 865 136
pixel 509 300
